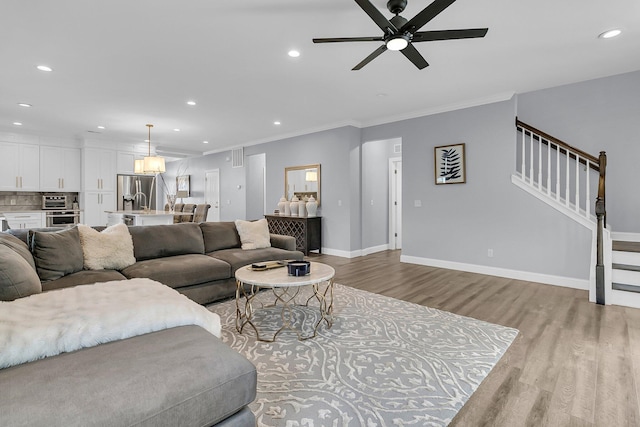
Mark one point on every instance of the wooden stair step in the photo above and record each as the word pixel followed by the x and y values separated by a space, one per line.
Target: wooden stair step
pixel 625 287
pixel 625 267
pixel 620 245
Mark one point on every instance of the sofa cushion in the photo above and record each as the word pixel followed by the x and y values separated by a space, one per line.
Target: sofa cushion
pixel 253 234
pixel 219 235
pixel 84 277
pixel 57 253
pixel 239 257
pixel 180 270
pixel 157 241
pixel 18 246
pixel 17 278
pixel 179 376
pixel 111 248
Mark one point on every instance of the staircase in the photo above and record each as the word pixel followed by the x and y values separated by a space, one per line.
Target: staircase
pixel 625 270
pixel 566 178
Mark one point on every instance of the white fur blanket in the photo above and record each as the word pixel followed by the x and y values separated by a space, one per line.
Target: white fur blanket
pixel 69 319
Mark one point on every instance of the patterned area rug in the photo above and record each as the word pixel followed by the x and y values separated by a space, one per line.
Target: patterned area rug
pixel 384 362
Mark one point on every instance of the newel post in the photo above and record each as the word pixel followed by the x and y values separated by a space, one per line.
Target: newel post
pixel 601 213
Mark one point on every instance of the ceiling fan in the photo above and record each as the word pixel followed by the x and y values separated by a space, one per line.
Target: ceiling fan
pixel 399 34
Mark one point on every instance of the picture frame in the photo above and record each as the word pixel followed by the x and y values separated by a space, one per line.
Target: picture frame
pixel 450 164
pixel 183 183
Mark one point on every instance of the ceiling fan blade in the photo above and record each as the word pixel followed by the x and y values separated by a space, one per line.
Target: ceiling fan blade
pixel 371 57
pixel 377 16
pixel 414 56
pixel 348 39
pixel 427 14
pixel 428 36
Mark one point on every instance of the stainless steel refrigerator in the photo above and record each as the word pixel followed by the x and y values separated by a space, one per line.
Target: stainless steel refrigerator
pixel 135 192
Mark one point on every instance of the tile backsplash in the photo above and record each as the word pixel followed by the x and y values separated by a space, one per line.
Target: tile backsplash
pixel 15 201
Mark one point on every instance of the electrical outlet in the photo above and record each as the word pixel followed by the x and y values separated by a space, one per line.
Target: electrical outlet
pixel 490 253
pixel 417 203
pixel 371 202
pixel 13 202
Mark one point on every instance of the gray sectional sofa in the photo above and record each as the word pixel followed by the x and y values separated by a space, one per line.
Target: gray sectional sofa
pixel 181 376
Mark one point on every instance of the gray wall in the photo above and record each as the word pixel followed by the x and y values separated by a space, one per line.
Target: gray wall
pixel 460 222
pixel 338 152
pixel 597 115
pixel 232 199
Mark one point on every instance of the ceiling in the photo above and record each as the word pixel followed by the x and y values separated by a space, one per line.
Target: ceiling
pixel 122 64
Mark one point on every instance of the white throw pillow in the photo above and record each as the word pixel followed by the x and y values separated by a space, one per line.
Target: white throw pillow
pixel 254 234
pixel 111 249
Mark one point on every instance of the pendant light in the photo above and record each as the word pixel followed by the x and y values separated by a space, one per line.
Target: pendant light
pixel 153 164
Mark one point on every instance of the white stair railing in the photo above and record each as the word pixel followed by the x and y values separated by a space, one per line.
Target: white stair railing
pixel 543 169
pixel 557 170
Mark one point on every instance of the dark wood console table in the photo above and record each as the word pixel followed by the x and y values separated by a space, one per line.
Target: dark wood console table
pixel 306 230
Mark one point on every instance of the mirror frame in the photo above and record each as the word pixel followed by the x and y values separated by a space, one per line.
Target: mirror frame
pixel 296 168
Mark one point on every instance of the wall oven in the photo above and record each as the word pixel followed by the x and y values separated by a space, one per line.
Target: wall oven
pixel 62 219
pixel 54 202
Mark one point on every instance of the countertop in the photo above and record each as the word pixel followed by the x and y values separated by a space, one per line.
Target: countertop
pixel 150 212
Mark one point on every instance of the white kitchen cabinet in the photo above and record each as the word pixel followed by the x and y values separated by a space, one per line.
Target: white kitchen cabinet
pixel 59 169
pixel 20 169
pixel 95 205
pixel 17 220
pixel 99 170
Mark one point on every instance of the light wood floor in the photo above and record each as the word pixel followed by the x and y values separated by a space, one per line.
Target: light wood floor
pixel 574 363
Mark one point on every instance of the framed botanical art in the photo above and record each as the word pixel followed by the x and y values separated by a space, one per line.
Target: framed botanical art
pixel 183 184
pixel 450 164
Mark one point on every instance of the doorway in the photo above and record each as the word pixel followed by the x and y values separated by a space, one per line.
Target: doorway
pixel 212 194
pixel 395 203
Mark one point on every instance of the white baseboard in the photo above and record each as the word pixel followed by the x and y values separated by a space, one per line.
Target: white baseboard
pixel 356 253
pixel 343 254
pixel 374 249
pixel 547 279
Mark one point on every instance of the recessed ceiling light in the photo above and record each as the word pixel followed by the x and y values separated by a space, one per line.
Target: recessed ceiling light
pixel 205 142
pixel 17 123
pixel 176 130
pixel 294 53
pixel 610 34
pixel 100 127
pixel 24 104
pixel 277 123
pixel 44 68
pixel 192 103
pixel 381 95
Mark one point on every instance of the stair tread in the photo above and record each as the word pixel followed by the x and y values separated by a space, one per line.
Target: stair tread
pixel 627 267
pixel 625 287
pixel 620 245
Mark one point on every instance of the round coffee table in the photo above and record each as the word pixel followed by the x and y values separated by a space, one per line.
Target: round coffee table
pixel 285 289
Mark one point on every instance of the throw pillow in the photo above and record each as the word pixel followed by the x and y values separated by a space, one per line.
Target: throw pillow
pixel 18 246
pixel 56 253
pixel 253 234
pixel 17 278
pixel 110 249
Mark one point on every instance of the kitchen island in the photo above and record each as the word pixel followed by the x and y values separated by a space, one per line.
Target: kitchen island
pixel 140 217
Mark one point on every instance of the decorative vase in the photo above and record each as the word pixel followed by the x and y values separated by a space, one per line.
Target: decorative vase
pixel 171 201
pixel 287 210
pixel 281 204
pixel 293 206
pixel 302 208
pixel 312 206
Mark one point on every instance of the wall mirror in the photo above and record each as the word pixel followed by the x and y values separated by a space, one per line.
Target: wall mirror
pixel 302 181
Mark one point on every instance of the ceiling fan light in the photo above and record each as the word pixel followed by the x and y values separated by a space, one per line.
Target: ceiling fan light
pixel 397 43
